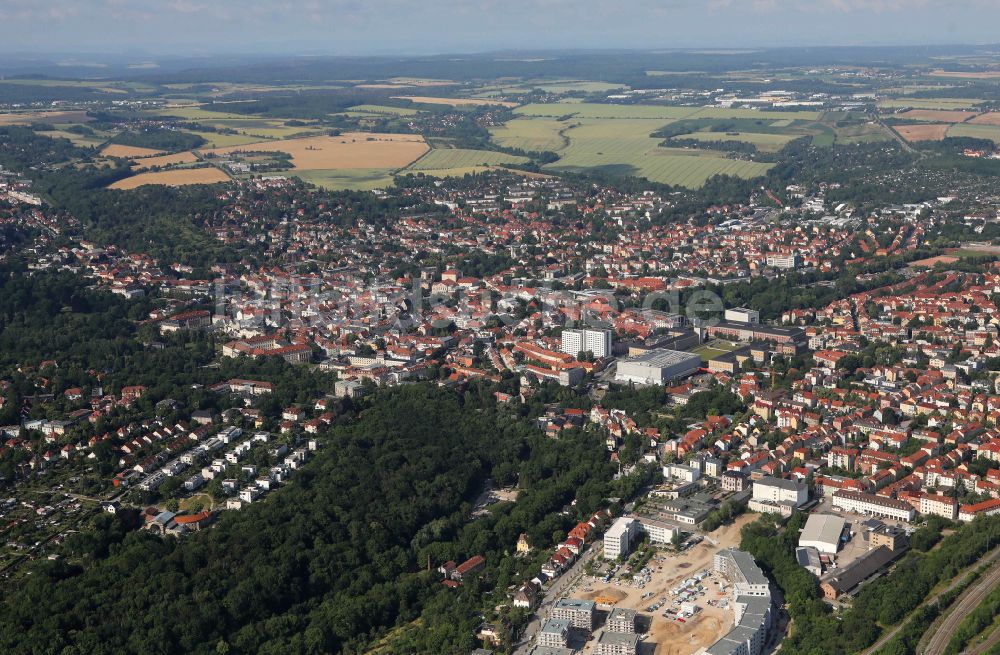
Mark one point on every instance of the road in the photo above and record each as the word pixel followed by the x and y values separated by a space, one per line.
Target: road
pixel 968 601
pixel 554 592
pixel 954 583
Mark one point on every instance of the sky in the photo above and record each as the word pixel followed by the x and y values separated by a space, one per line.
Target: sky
pixel 362 27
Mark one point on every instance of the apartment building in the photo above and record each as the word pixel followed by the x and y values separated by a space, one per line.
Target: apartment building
pixel 579 613
pixel 871 505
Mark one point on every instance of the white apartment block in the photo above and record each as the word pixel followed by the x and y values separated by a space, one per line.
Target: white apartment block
pixel 597 342
pixel 871 505
pixel 619 537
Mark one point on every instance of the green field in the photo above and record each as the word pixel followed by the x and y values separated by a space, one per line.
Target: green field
pixel 383 109
pixel 216 140
pixel 624 147
pixel 713 349
pixel 764 142
pixel 593 110
pixel 530 134
pixel 931 103
pixel 448 158
pixel 991 132
pixel 360 179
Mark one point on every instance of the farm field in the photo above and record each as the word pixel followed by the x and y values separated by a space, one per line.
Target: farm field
pixel 624 147
pixel 594 110
pixel 931 103
pixel 989 118
pixel 938 115
pixel 216 140
pixel 530 134
pixel 991 132
pixel 867 133
pixel 455 102
pixel 764 142
pixel 929 132
pixel 78 139
pixel 457 171
pixel 347 151
pixel 164 160
pixel 450 158
pixel 967 75
pixel 53 117
pixel 360 179
pixel 180 177
pixel 128 152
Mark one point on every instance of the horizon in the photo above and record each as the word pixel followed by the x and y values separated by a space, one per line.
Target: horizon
pixel 192 28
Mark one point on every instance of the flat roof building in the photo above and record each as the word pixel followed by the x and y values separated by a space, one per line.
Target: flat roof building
pixel 823 532
pixel 617 643
pixel 580 613
pixel 657 367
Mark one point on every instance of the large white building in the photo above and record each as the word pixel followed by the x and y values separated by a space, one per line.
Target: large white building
pixel 778 495
pixel 742 315
pixel 619 537
pixel 822 532
pixel 597 342
pixel 657 366
pixel 872 505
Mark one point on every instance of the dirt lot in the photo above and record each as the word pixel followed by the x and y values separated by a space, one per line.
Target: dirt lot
pixel 938 115
pixel 931 261
pixel 164 160
pixel 930 132
pixel 456 102
pixel 670 636
pixel 989 118
pixel 117 150
pixel 349 150
pixel 179 177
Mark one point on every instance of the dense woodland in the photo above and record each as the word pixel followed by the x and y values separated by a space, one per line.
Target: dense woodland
pixel 335 559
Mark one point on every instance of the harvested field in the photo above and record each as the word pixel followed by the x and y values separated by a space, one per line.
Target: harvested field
pixel 128 152
pixel 164 160
pixel 930 103
pixel 929 132
pixel 989 118
pixel 938 115
pixel 456 102
pixel 349 150
pixel 180 177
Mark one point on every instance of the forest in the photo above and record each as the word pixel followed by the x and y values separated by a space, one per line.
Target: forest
pixel 338 557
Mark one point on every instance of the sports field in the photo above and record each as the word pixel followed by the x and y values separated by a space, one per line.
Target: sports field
pixel 450 158
pixel 179 177
pixel 713 349
pixel 350 150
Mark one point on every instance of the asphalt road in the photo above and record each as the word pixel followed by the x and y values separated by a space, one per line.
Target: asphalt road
pixel 554 592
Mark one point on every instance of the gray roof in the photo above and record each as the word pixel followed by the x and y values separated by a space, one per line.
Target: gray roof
pixel 751 572
pixel 575 604
pixel 557 626
pixel 618 638
pixel 824 528
pixel 864 567
pixel 781 483
pixel 663 357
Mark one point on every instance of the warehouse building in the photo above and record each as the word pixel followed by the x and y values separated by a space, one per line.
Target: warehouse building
pixel 822 532
pixel 657 367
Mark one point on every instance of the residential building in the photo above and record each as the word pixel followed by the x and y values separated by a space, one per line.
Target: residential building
pixel 619 537
pixel 597 342
pixel 580 613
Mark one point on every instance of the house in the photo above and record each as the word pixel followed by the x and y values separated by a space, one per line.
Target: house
pixel 525 595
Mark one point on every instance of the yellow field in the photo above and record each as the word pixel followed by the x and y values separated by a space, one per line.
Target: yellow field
pixel 164 160
pixel 180 177
pixel 456 102
pixel 985 75
pixel 929 132
pixel 989 118
pixel 128 152
pixel 349 150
